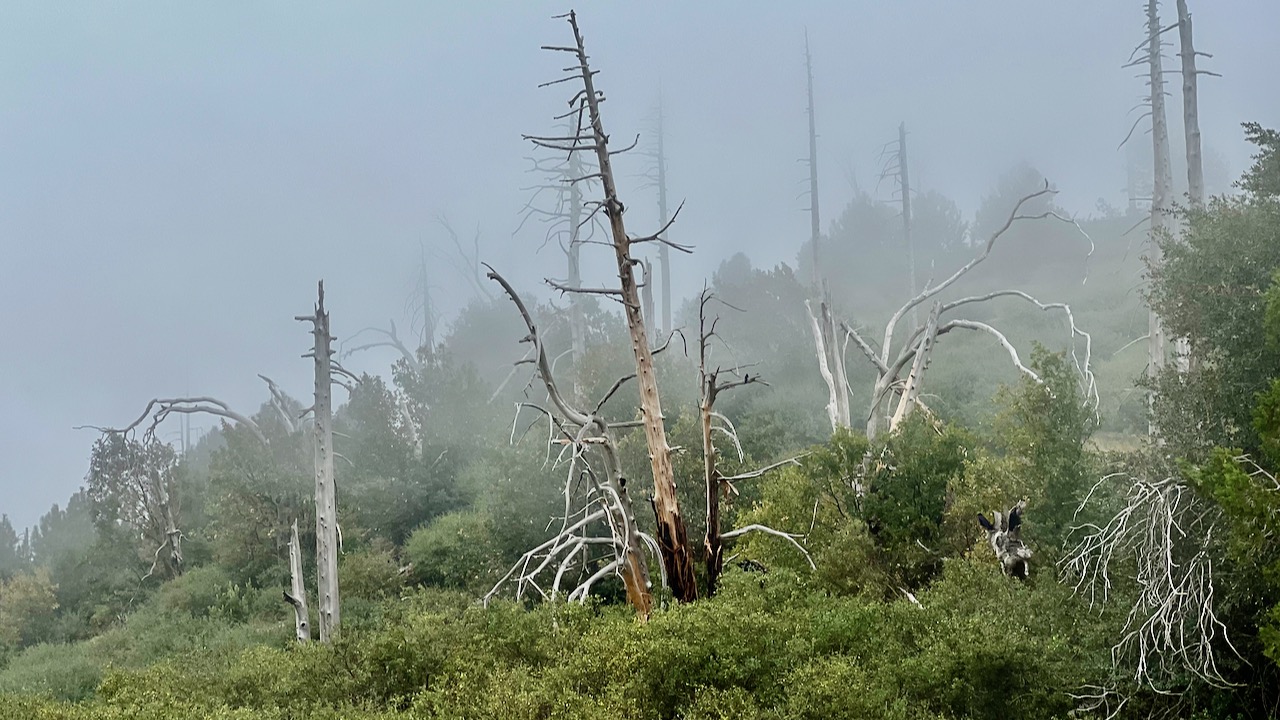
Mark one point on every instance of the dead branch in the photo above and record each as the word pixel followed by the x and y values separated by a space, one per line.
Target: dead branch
pixel 392 340
pixel 1164 532
pixel 159 409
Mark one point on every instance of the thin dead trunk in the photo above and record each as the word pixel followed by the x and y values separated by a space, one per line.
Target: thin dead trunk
pixel 815 222
pixel 904 187
pixel 1163 183
pixel 1190 107
pixel 664 218
pixel 297 595
pixel 915 379
pixel 326 501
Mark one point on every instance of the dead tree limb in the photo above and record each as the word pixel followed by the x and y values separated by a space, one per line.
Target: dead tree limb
pixel 607 501
pixel 1162 533
pixel 159 409
pixel 390 339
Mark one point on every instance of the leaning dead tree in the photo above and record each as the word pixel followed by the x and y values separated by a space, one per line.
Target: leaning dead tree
pixel 1162 535
pixel 895 396
pixel 598 536
pixel 326 501
pixel 589 136
pixel 831 362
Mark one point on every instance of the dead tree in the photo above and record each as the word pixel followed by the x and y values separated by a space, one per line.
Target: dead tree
pixel 830 362
pixel 466 263
pixel 1004 533
pixel 590 136
pixel 387 338
pixel 297 593
pixel 1162 533
pixel 565 178
pixel 890 361
pixel 710 386
pixel 581 434
pixel 656 178
pixel 147 481
pixel 898 169
pixel 815 221
pixel 327 596
pixel 1149 53
pixel 1191 105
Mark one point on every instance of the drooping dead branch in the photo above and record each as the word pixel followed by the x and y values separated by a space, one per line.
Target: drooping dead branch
pixel 390 338
pixel 606 501
pixel 159 409
pixel 1163 533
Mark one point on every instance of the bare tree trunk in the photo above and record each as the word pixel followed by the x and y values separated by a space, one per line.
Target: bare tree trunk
pixel 1162 187
pixel 326 501
pixel 904 186
pixel 915 380
pixel 664 218
pixel 297 595
pixel 672 537
pixel 1190 107
pixel 815 223
pixel 577 323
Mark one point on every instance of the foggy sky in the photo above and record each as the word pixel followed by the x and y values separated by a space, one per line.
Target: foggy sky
pixel 174 178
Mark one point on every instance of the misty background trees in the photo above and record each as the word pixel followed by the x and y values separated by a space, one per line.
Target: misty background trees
pixel 493 480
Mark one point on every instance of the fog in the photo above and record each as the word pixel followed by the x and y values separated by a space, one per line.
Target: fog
pixel 175 179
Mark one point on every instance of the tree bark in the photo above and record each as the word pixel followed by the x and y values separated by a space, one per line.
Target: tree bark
pixel 297 595
pixel 1163 182
pixel 672 536
pixel 664 253
pixel 1190 107
pixel 815 223
pixel 904 186
pixel 327 595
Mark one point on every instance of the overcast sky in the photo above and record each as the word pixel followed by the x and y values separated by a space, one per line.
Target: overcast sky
pixel 175 177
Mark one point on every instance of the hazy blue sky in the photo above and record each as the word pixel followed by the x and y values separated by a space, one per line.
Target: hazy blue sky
pixel 174 177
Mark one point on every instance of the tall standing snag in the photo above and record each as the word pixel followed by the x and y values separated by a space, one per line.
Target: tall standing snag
pixel 326 501
pixel 672 536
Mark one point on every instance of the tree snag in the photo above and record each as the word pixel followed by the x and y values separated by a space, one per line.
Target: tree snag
pixel 326 500
pixel 672 535
pixel 297 593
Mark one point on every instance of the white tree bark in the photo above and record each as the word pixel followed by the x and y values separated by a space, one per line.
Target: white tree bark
pixel 1162 190
pixel 327 595
pixel 1190 107
pixel 297 595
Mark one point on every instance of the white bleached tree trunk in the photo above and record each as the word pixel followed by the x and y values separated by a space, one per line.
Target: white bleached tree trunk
pixel 297 595
pixel 327 596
